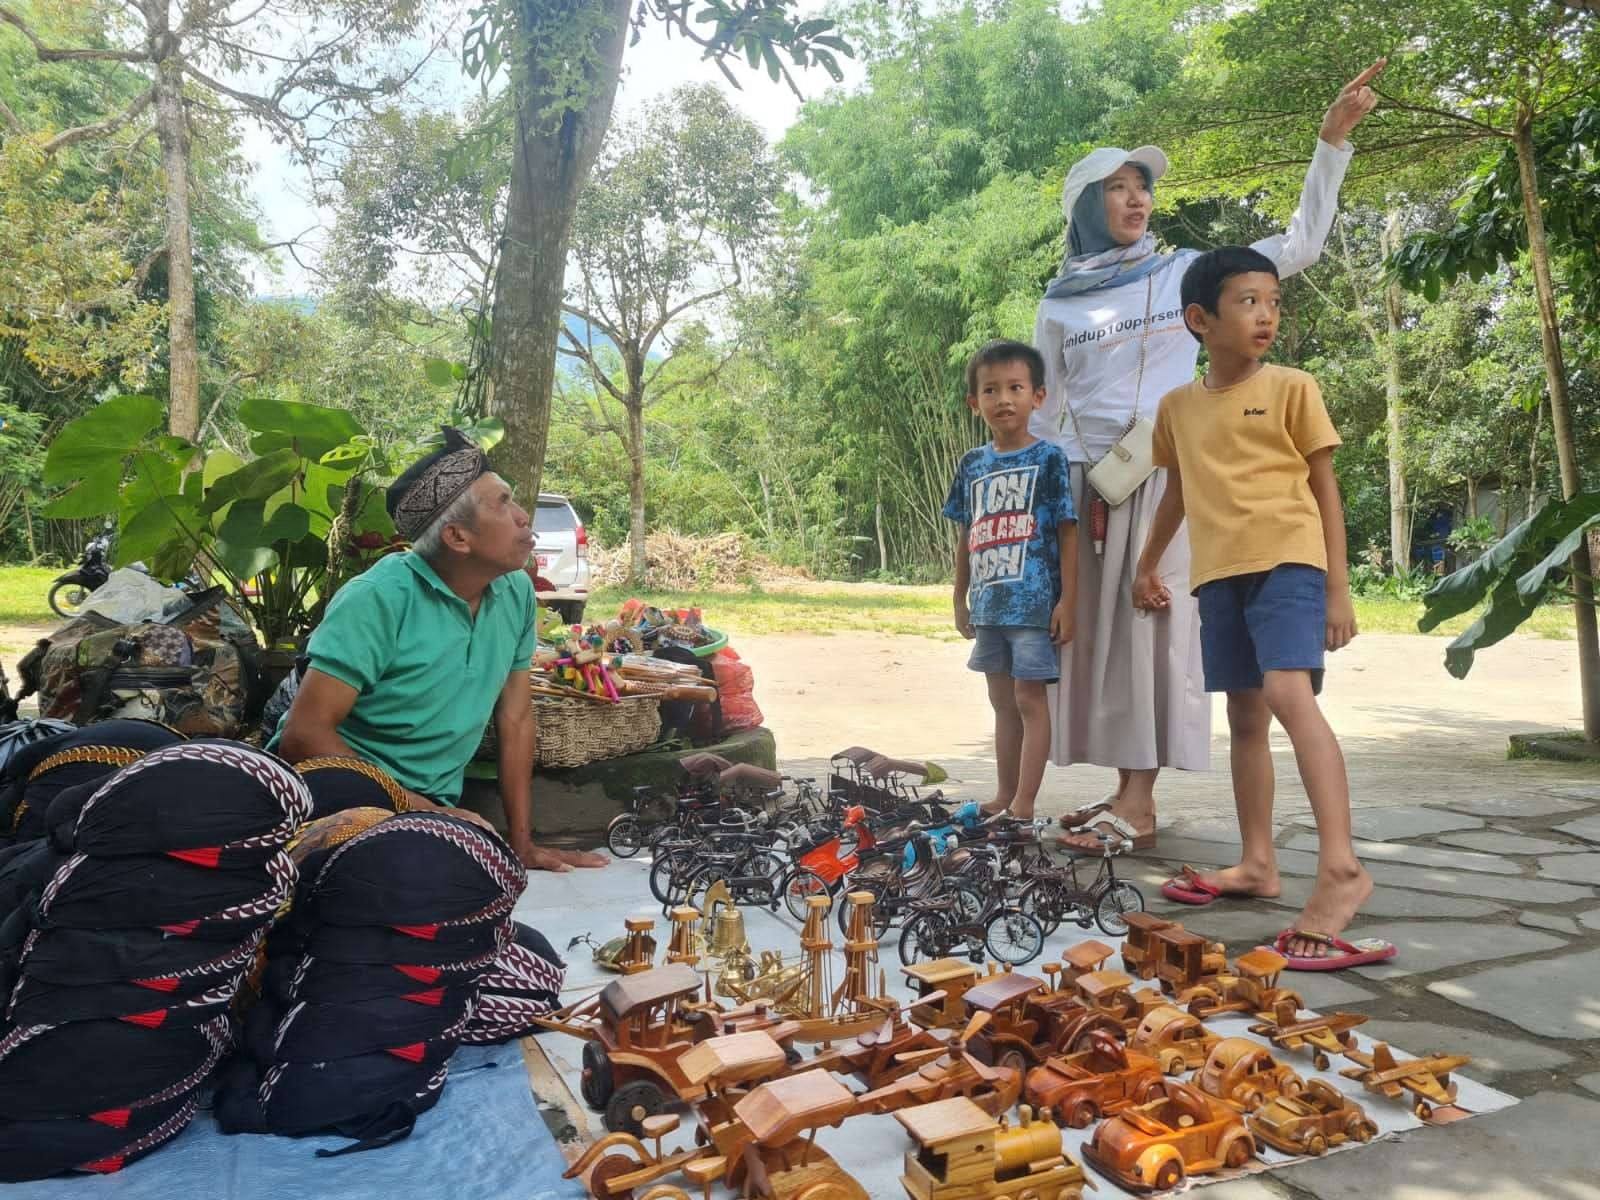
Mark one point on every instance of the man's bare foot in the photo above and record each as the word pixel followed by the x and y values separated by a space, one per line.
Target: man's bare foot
pixel 1246 879
pixel 1335 900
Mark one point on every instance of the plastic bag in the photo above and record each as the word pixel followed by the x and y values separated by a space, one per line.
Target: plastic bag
pixel 130 596
pixel 736 684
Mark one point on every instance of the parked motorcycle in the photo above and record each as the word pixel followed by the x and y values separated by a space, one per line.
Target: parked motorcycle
pixel 70 591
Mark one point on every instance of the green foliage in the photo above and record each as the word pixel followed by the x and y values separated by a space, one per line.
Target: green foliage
pixel 287 522
pixel 1511 579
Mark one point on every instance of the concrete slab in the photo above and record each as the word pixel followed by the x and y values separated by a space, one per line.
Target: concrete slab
pixel 1584 791
pixel 1555 999
pixel 1514 1154
pixel 1218 854
pixel 1491 841
pixel 1389 824
pixel 1470 883
pixel 1492 1055
pixel 1396 902
pixel 1551 921
pixel 1428 946
pixel 1573 868
pixel 1590 1083
pixel 1422 856
pixel 1253 1187
pixel 1590 919
pixel 1587 828
pixel 1329 991
pixel 1531 805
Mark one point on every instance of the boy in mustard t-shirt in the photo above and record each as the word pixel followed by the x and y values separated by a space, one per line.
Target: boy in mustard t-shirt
pixel 1249 449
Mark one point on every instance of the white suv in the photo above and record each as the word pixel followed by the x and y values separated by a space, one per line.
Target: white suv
pixel 561 552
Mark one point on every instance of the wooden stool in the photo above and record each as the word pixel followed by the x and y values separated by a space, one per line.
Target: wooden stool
pixel 658 1126
pixel 1051 970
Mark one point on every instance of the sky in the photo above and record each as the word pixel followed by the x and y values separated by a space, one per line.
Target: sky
pixel 650 69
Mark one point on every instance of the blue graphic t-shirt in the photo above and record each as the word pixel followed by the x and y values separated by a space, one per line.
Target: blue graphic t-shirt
pixel 1011 504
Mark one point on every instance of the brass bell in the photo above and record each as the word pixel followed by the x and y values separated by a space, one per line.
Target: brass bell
pixel 727 922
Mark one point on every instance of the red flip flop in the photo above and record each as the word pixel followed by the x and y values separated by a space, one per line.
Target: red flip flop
pixel 1351 954
pixel 1186 887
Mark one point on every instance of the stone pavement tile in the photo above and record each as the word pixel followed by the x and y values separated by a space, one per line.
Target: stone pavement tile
pixel 1219 854
pixel 1470 883
pixel 1326 991
pixel 1426 946
pixel 1511 806
pixel 1422 856
pixel 1590 1083
pixel 1587 828
pixel 1492 1055
pixel 1553 998
pixel 1251 1187
pixel 1551 921
pixel 1207 829
pixel 1388 824
pixel 1586 791
pixel 1396 902
pixel 1519 1153
pixel 1492 841
pixel 1573 868
pixel 1590 919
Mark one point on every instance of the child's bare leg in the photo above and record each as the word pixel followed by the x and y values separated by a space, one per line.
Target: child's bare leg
pixel 1343 885
pixel 1250 755
pixel 1033 707
pixel 1007 740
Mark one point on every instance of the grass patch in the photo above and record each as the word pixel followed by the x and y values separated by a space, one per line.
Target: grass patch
pixel 22 595
pixel 925 611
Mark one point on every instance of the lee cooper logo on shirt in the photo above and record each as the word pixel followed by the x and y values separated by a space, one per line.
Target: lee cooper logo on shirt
pixel 1002 523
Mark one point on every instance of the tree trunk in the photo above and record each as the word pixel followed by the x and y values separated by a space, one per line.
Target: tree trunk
pixel 1399 510
pixel 636 532
pixel 1533 460
pixel 1561 425
pixel 1472 499
pixel 551 161
pixel 883 546
pixel 183 353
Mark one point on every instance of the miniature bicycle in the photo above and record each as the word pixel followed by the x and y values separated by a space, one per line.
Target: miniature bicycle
pixel 937 930
pixel 1053 893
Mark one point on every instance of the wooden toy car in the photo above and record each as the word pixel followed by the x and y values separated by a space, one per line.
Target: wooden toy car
pixel 1174 1038
pixel 950 1071
pixel 1013 1033
pixel 636 1032
pixel 1251 987
pixel 1183 959
pixel 1081 1087
pixel 964 1154
pixel 951 978
pixel 1242 1073
pixel 1139 950
pixel 1311 1120
pixel 1156 1146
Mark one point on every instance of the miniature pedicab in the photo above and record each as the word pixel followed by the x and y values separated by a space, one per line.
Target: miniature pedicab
pixel 1106 1078
pixel 1156 1146
pixel 963 1153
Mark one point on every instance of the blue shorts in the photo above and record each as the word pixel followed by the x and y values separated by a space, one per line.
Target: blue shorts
pixel 1266 621
pixel 1020 651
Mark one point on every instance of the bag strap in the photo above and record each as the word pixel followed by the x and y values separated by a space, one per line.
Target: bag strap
pixel 1138 387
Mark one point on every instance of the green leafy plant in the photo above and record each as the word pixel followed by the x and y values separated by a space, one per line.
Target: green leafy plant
pixel 1524 569
pixel 282 529
pixel 1472 537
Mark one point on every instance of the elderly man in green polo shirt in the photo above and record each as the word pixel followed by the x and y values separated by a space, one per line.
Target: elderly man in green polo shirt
pixel 416 654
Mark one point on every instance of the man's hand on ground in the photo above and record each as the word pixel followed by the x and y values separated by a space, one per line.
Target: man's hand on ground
pixel 542 858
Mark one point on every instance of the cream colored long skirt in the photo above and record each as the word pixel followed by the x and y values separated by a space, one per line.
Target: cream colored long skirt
pixel 1131 692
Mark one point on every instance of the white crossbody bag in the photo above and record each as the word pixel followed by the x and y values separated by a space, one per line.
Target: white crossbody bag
pixel 1131 459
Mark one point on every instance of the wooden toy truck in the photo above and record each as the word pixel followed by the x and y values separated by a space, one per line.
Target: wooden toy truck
pixel 965 1154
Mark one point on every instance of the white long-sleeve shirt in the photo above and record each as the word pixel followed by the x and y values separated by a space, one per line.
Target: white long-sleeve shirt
pixel 1090 342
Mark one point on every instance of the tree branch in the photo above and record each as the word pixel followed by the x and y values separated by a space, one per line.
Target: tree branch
pixel 69 54
pixel 100 129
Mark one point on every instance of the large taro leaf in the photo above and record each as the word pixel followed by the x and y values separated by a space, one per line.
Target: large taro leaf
pixel 1465 589
pixel 1578 516
pixel 310 430
pixel 101 438
pixel 255 480
pixel 92 496
pixel 165 534
pixel 249 539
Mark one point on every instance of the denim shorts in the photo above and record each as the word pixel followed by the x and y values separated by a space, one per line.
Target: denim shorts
pixel 1020 651
pixel 1266 621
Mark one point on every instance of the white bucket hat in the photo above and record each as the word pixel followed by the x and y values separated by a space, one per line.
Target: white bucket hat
pixel 1097 164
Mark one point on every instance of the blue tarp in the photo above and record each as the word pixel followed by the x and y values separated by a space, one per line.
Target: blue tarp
pixel 485 1140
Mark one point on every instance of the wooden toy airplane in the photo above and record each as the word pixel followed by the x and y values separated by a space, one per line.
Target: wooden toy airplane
pixel 1326 1035
pixel 1427 1079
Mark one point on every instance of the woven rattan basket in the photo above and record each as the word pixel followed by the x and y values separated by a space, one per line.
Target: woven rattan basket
pixel 573 733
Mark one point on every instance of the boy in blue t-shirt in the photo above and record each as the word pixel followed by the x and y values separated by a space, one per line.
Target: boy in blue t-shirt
pixel 1016 564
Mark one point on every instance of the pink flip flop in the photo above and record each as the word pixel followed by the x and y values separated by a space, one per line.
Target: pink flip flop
pixel 1186 887
pixel 1351 954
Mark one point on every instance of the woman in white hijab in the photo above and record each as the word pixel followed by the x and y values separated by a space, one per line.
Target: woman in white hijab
pixel 1111 330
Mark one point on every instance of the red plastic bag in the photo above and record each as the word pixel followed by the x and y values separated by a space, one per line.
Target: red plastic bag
pixel 736 684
